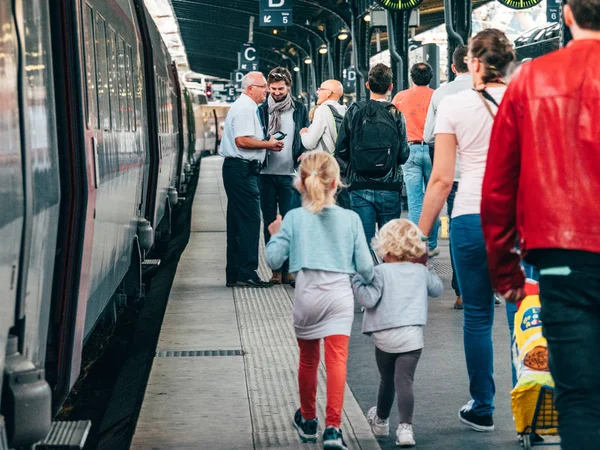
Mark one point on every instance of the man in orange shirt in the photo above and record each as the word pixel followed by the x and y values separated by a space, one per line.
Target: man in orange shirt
pixel 414 104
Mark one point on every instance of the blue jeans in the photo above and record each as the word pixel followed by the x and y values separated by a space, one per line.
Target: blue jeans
pixel 417 171
pixel 375 208
pixel 450 203
pixel 470 259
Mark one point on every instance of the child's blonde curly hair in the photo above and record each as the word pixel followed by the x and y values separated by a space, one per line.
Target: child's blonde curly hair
pixel 399 238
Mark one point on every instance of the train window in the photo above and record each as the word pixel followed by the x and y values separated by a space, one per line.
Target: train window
pixel 90 69
pixel 102 74
pixel 130 114
pixel 112 79
pixel 134 82
pixel 122 84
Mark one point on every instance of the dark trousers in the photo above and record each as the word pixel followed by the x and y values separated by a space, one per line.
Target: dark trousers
pixel 277 193
pixel 570 299
pixel 450 203
pixel 397 372
pixel 243 220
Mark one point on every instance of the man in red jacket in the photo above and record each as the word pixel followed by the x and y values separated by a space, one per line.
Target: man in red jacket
pixel 542 183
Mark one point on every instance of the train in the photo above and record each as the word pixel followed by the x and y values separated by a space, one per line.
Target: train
pixel 98 136
pixel 538 41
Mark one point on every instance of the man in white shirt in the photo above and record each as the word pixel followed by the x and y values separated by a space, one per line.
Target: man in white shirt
pixel 322 133
pixel 462 82
pixel 244 149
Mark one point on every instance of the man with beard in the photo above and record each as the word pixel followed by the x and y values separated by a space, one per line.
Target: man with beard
pixel 281 113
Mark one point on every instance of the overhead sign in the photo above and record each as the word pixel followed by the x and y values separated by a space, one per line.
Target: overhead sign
pixel 275 13
pixel 231 94
pixel 553 10
pixel 237 79
pixel 249 59
pixel 349 80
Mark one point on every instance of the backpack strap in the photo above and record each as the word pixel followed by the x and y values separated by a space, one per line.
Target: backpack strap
pixel 486 98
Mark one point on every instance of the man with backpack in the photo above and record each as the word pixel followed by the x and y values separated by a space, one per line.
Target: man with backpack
pixel 372 146
pixel 323 132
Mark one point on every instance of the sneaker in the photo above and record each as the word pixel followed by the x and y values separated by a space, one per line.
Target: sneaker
pixel 379 427
pixel 255 282
pixel 433 253
pixel 307 429
pixel 276 278
pixel 479 423
pixel 332 438
pixel 405 436
pixel 458 303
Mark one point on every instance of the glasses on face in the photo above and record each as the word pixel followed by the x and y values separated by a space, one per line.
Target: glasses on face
pixel 320 89
pixel 261 86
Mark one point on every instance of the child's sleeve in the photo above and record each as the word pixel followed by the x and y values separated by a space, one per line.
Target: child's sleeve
pixel 435 287
pixel 363 260
pixel 368 295
pixel 278 247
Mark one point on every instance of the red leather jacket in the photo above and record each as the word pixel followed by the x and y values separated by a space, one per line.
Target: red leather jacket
pixel 542 176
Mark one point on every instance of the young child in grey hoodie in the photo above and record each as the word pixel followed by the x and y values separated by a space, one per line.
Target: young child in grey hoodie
pixel 395 304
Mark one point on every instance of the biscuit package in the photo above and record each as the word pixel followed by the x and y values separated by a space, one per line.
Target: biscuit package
pixel 530 357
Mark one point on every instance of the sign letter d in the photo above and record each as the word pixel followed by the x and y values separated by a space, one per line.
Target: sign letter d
pixel 276 3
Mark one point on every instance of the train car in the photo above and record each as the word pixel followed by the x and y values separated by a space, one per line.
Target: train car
pixel 163 126
pixel 29 209
pixel 538 41
pixel 100 81
pixel 210 118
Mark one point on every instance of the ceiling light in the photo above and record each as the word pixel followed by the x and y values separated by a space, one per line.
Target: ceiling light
pixel 323 49
pixel 296 69
pixel 307 60
pixel 343 35
pixel 275 31
pixel 367 18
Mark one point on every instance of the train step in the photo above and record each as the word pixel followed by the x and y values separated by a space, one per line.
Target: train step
pixel 66 436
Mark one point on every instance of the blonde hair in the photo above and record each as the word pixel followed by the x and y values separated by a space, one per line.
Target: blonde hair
pixel 399 238
pixel 311 113
pixel 315 179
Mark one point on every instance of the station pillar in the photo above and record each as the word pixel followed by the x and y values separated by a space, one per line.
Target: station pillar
pixel 398 43
pixel 458 18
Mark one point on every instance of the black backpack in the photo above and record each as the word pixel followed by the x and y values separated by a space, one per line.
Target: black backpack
pixel 337 118
pixel 375 139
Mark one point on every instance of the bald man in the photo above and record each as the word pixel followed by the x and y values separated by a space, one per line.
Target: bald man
pixel 322 134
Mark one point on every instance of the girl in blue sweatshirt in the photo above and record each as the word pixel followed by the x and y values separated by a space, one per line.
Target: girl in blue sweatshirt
pixel 395 302
pixel 325 244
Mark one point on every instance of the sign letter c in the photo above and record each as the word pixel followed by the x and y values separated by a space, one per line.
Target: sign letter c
pixel 247 54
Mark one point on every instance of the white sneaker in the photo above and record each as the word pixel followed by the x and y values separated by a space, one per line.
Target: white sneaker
pixel 379 427
pixel 405 436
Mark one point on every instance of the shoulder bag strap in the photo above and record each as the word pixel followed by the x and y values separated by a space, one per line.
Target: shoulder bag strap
pixel 486 103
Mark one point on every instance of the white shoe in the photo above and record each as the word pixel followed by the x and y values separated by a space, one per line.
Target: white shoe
pixel 379 427
pixel 405 436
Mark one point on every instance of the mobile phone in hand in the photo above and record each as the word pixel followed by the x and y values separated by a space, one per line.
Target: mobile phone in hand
pixel 279 135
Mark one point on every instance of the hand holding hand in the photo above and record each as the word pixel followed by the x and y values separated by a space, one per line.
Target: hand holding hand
pixel 301 157
pixel 275 227
pixel 274 145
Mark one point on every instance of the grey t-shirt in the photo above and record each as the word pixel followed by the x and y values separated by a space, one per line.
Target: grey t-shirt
pixel 282 163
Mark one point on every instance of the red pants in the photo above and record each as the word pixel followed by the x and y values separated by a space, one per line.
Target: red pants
pixel 336 356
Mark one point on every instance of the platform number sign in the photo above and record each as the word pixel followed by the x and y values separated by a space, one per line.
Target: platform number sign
pixel 553 10
pixel 275 13
pixel 237 79
pixel 249 59
pixel 349 77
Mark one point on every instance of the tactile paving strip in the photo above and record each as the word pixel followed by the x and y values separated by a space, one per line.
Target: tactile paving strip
pixel 195 353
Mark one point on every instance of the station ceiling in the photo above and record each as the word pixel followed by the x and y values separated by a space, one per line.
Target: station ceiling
pixel 214 30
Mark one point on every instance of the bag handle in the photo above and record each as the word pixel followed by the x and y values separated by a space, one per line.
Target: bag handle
pixel 485 96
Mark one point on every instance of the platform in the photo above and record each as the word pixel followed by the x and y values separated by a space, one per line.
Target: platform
pixel 224 375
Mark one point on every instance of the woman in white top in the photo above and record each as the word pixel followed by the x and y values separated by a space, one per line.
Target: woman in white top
pixel 464 125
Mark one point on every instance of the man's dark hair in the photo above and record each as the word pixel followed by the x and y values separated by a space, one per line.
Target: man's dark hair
pixel 280 74
pixel 459 59
pixel 380 79
pixel 586 13
pixel 421 73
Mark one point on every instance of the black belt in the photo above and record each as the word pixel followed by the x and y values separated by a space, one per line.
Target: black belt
pixel 417 143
